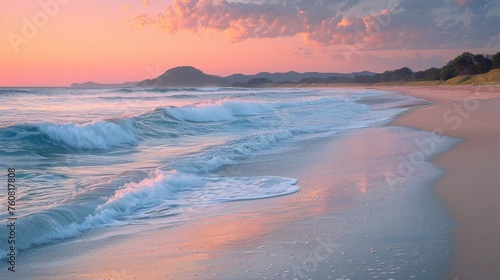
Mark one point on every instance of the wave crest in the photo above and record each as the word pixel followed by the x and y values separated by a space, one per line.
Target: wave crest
pixel 162 193
pixel 218 111
pixel 101 135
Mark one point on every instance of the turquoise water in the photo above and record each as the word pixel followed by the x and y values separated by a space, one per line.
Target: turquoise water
pixel 93 158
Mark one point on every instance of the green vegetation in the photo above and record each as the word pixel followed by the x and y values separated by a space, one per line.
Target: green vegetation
pixel 466 65
pixel 492 77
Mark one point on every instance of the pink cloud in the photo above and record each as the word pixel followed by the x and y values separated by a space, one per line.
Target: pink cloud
pixel 238 21
pixel 243 21
pixel 320 23
pixel 300 51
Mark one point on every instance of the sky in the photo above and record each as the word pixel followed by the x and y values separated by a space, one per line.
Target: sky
pixel 59 42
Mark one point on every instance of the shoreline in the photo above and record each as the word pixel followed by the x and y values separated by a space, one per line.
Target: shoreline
pixel 469 187
pixel 346 206
pixel 344 213
pixel 346 222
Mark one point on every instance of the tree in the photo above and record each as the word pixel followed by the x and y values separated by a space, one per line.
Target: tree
pixel 464 64
pixel 447 72
pixel 365 79
pixel 483 63
pixel 403 74
pixel 430 74
pixel 399 75
pixel 496 60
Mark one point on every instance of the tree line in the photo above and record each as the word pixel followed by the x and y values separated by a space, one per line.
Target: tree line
pixel 465 64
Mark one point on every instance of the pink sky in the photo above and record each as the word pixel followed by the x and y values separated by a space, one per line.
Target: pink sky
pixel 58 42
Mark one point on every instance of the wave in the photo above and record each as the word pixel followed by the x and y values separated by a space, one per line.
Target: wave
pixel 308 102
pixel 218 111
pixel 13 90
pixel 226 110
pixel 100 135
pixel 231 152
pixel 159 123
pixel 160 194
pixel 161 90
pixel 183 96
pixel 167 89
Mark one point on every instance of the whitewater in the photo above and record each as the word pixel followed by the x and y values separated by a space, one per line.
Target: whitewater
pixel 97 158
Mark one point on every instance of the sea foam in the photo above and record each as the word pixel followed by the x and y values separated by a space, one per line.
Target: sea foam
pixel 171 191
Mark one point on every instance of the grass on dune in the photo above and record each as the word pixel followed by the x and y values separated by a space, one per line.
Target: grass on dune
pixel 490 78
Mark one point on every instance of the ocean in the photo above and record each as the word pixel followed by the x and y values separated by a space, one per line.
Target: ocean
pixel 88 159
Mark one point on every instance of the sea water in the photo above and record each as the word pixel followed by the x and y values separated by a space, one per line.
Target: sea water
pixel 94 158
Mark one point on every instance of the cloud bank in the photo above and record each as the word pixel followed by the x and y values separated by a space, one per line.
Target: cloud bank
pixel 371 24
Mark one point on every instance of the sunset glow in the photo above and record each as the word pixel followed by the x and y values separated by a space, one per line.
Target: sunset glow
pixel 56 42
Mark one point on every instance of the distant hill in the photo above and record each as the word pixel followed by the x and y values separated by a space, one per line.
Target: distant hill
pixel 188 76
pixel 291 76
pixel 184 76
pixel 96 85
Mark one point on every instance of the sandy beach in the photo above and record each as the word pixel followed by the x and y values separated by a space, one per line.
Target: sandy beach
pixel 470 186
pixel 358 215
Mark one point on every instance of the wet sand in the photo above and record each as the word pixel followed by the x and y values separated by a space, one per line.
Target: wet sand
pixel 471 185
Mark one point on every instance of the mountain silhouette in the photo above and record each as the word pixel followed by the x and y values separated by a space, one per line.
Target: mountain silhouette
pixel 184 76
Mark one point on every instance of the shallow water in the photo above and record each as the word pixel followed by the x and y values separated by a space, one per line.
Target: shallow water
pixel 93 158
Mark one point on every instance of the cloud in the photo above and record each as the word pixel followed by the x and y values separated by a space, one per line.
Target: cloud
pixel 238 20
pixel 300 51
pixel 367 24
pixel 146 3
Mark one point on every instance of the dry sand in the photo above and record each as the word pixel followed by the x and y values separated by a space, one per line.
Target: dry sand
pixel 471 185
